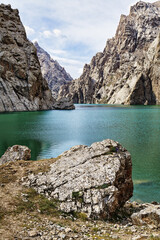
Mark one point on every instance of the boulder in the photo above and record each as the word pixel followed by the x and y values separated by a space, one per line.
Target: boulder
pixel 96 180
pixel 64 103
pixel 14 153
pixel 150 215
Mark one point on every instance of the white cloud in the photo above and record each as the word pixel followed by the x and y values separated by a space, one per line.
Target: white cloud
pixel 80 71
pixel 30 31
pixel 58 51
pixel 74 29
pixel 47 34
pixel 57 32
pixel 66 60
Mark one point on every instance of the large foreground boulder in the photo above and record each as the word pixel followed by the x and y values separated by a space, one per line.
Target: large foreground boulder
pixel 15 153
pixel 95 180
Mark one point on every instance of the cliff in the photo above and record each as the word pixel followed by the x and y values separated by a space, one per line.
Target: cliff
pixel 54 74
pixel 127 71
pixel 22 87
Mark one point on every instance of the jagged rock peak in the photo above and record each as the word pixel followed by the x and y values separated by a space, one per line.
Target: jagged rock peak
pixel 127 70
pixel 54 74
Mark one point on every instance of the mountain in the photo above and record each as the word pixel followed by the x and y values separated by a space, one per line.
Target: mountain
pixel 127 71
pixel 55 75
pixel 22 87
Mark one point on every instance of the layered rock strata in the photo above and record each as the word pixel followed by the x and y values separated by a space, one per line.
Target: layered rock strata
pixel 95 180
pixel 127 71
pixel 54 74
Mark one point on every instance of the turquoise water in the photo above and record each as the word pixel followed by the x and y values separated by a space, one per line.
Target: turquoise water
pixel 49 133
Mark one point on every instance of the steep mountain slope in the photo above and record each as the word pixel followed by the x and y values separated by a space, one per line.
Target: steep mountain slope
pixel 54 74
pixel 22 87
pixel 127 71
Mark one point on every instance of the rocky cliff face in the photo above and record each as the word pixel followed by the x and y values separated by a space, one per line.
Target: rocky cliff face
pixel 54 74
pixel 22 87
pixel 127 71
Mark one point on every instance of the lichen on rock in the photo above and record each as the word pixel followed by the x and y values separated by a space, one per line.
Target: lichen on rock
pixel 96 180
pixel 15 153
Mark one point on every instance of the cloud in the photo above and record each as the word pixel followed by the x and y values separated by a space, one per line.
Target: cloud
pixel 57 51
pixel 47 34
pixel 57 32
pixel 30 31
pixel 73 30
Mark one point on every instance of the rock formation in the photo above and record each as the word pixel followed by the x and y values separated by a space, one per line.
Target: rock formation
pixel 22 87
pixel 54 74
pixel 127 71
pixel 149 215
pixel 95 180
pixel 15 153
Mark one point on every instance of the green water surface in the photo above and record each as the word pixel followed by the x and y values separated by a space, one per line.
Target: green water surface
pixel 49 133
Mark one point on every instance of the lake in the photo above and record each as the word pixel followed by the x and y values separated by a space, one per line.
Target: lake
pixel 49 133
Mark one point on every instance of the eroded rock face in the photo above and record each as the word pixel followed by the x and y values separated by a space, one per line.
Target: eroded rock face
pixel 95 180
pixel 54 74
pixel 22 87
pixel 64 103
pixel 15 153
pixel 127 71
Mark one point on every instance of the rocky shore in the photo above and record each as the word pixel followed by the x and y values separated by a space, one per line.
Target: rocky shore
pixel 82 194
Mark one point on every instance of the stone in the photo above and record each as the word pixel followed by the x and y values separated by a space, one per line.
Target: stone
pixel 15 153
pixel 54 74
pixel 127 71
pixel 64 103
pixel 33 233
pixel 150 215
pixel 94 180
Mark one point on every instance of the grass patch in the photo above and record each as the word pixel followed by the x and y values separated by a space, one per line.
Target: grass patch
pixel 103 186
pixel 78 196
pixel 113 149
pixel 154 238
pixel 2 213
pixel 7 174
pixel 32 201
pixel 43 165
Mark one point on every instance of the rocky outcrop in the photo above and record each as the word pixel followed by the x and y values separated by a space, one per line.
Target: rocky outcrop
pixel 54 74
pixel 95 180
pixel 127 71
pixel 64 103
pixel 15 153
pixel 150 215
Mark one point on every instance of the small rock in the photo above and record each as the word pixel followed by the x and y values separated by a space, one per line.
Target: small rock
pixel 33 233
pixel 15 153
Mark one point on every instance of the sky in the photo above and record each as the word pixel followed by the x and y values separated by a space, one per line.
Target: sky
pixel 71 31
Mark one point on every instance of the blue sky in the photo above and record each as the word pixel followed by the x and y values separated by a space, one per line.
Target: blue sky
pixel 71 31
